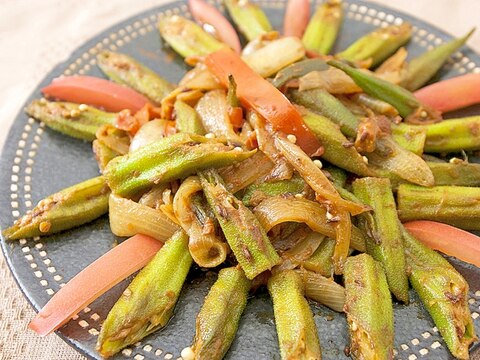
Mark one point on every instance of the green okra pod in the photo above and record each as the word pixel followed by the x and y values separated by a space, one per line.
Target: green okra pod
pixel 444 293
pixel 125 70
pixel 246 237
pixel 148 302
pixel 217 321
pixel 186 37
pixel 66 209
pixel 322 30
pixel 249 18
pixel 384 242
pixel 187 119
pixel 76 120
pixel 378 44
pixel 424 67
pixel 369 310
pixel 410 137
pixel 297 70
pixel 255 193
pixel 403 100
pixel 455 205
pixel 453 135
pixel 103 154
pixel 297 334
pixel 170 158
pixel 333 141
pixel 459 174
pixel 321 260
pixel 323 103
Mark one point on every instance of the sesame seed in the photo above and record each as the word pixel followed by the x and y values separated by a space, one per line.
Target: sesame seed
pixel 329 215
pixel 74 113
pixel 43 101
pixel 423 114
pixel 237 148
pixel 210 136
pixel 365 159
pixel 187 354
pixel 292 138
pixel 299 196
pixel 318 163
pixel 82 107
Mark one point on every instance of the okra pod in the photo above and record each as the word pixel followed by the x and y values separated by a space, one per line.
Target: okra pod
pixel 256 193
pixel 334 143
pixel 78 121
pixel 455 205
pixel 217 321
pixel 322 30
pixel 424 67
pixel 187 119
pixel 246 237
pixel 297 333
pixel 187 38
pixel 125 70
pixel 459 174
pixel 410 137
pixel 453 135
pixel 323 103
pixel 444 293
pixel 170 158
pixel 297 70
pixel 103 154
pixel 321 260
pixel 369 310
pixel 148 302
pixel 249 18
pixel 378 44
pixel 384 241
pixel 66 209
pixel 403 100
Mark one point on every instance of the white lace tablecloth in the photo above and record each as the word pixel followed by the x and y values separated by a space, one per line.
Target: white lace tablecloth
pixel 36 35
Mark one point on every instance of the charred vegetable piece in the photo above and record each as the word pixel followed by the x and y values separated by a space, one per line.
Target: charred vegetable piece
pixel 78 121
pixel 345 157
pixel 424 67
pixel 148 302
pixel 217 321
pixel 453 135
pixel 444 293
pixel 170 158
pixel 187 38
pixel 384 242
pixel 323 27
pixel 297 334
pixel 404 101
pixel 297 70
pixel 187 119
pixel 455 205
pixel 125 70
pixel 368 306
pixel 249 18
pixel 460 174
pixel 246 237
pixel 378 45
pixel 66 209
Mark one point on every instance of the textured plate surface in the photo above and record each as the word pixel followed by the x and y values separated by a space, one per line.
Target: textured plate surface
pixel 37 161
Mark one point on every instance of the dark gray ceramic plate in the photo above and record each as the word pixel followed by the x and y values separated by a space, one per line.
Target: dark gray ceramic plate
pixel 37 161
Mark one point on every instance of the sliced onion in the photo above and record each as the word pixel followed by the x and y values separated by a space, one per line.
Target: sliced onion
pixel 332 80
pixel 128 218
pixel 150 132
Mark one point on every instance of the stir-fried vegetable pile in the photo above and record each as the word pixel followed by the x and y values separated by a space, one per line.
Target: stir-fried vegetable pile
pixel 282 166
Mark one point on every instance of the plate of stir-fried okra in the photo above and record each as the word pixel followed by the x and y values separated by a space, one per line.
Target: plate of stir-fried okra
pixel 271 179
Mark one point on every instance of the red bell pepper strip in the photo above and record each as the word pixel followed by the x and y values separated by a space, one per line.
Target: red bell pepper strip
pixel 257 93
pixel 447 239
pixel 95 91
pixel 93 281
pixel 296 18
pixel 204 13
pixel 451 94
